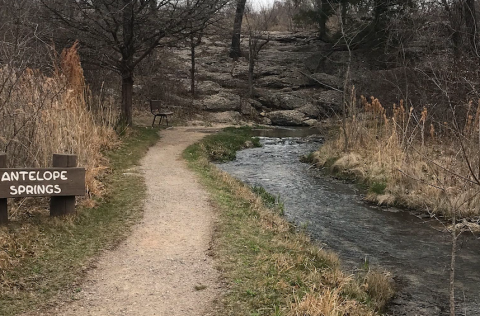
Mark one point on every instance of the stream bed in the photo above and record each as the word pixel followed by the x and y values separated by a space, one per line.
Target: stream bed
pixel 414 250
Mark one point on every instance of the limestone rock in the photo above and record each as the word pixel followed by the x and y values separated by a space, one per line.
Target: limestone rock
pixel 266 121
pixel 330 101
pixel 311 122
pixel 281 100
pixel 231 117
pixel 287 118
pixel 221 102
pixel 247 109
pixel 310 110
pixel 286 80
pixel 327 80
pixel 208 87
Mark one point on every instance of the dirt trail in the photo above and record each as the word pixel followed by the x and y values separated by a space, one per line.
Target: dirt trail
pixel 163 267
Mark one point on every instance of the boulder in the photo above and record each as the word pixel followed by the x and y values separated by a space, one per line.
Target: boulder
pixel 311 122
pixel 221 102
pixel 330 101
pixel 247 109
pixel 310 110
pixel 287 118
pixel 256 104
pixel 326 80
pixel 266 121
pixel 230 117
pixel 208 87
pixel 281 100
pixel 282 81
pixel 224 79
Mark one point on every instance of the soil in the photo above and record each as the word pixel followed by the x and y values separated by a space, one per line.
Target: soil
pixel 163 268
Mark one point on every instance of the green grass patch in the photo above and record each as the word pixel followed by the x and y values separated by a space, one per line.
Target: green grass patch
pixel 270 268
pixel 310 158
pixel 377 187
pixel 61 249
pixel 269 200
pixel 222 147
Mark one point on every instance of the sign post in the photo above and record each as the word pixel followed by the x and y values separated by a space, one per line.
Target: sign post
pixel 3 202
pixel 62 183
pixel 63 205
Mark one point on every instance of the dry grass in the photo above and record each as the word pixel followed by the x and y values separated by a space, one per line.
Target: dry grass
pixel 270 268
pixel 407 158
pixel 42 115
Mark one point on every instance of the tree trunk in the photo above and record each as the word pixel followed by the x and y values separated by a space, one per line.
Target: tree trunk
pixel 235 51
pixel 128 52
pixel 452 262
pixel 471 23
pixel 322 22
pixel 192 70
pixel 251 64
pixel 344 12
pixel 380 9
pixel 127 104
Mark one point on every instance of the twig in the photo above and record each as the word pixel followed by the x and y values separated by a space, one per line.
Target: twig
pixel 445 169
pixel 420 180
pixel 319 82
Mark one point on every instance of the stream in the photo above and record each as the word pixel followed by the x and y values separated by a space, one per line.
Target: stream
pixel 414 250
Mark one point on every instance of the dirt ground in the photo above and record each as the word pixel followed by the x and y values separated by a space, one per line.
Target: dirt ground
pixel 163 268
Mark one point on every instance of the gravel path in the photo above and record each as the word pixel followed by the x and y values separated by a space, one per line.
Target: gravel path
pixel 163 267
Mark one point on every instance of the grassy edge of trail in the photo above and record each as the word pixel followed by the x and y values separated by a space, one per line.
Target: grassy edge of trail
pixel 270 268
pixel 60 250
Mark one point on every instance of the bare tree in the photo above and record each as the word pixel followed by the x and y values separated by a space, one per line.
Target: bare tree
pixel 118 35
pixel 235 50
pixel 258 24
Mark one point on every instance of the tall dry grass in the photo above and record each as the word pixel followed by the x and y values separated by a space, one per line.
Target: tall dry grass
pixel 42 115
pixel 409 158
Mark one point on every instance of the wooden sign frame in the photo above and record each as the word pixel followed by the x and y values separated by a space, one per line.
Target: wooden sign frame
pixel 62 183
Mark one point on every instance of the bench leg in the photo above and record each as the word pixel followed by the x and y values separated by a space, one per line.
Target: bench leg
pixel 166 118
pixel 154 117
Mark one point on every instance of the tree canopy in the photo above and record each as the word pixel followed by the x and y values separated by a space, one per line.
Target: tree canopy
pixel 119 34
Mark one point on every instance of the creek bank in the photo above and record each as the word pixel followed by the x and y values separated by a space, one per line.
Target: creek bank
pixel 412 249
pixel 266 264
pixel 380 191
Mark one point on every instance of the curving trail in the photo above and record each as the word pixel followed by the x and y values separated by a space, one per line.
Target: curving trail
pixel 163 268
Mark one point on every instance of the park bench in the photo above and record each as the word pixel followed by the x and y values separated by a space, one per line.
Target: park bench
pixel 158 109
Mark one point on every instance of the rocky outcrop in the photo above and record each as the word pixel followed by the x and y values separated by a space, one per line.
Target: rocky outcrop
pixel 311 111
pixel 228 117
pixel 281 100
pixel 326 81
pixel 290 118
pixel 208 87
pixel 287 89
pixel 221 102
pixel 330 101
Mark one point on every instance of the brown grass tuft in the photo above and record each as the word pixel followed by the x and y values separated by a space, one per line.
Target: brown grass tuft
pixel 415 157
pixel 42 115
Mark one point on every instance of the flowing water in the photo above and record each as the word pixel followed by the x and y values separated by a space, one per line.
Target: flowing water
pixel 414 250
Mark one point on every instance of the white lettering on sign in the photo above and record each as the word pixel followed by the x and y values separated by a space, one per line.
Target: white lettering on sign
pixel 35 189
pixel 34 176
pixel 41 182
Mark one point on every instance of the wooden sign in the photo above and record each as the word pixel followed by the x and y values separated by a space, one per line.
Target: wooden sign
pixel 42 182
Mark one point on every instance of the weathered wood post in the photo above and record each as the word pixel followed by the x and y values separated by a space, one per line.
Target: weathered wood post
pixel 63 205
pixel 3 202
